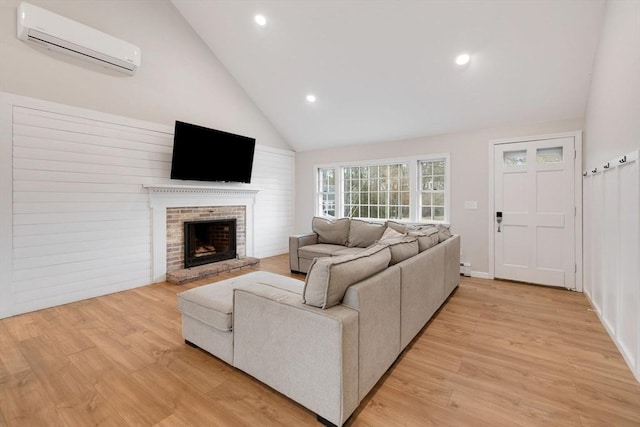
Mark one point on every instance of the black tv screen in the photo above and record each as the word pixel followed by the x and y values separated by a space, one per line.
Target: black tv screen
pixel 204 154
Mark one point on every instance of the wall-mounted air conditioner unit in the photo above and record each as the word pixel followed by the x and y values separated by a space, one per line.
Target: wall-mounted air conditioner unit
pixel 61 34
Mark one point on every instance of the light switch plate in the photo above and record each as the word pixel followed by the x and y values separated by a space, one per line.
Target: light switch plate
pixel 471 204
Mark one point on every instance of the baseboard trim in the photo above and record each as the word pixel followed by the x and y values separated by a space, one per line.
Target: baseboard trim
pixel 480 274
pixel 612 335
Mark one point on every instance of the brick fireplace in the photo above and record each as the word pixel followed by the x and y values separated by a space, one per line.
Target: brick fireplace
pixel 178 216
pixel 173 204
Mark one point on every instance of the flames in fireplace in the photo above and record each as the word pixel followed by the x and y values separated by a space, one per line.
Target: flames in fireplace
pixel 204 249
pixel 209 241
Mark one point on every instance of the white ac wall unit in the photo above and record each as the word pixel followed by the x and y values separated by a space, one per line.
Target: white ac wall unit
pixel 63 35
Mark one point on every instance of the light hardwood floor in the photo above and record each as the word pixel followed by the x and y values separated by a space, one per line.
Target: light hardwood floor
pixel 496 354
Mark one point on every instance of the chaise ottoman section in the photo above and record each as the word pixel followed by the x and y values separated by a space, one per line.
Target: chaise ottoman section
pixel 207 311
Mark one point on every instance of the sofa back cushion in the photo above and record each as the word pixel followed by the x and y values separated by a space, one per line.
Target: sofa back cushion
pixel 400 227
pixel 335 232
pixel 329 278
pixel 363 234
pixel 443 230
pixel 427 237
pixel 401 248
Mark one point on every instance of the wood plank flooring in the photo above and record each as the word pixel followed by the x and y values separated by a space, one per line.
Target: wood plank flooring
pixel 497 354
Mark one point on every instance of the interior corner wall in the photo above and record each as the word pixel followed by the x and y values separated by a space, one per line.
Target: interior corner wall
pixel 612 129
pixel 179 79
pixel 612 119
pixel 469 177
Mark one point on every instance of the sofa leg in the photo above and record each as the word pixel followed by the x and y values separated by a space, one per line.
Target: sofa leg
pixel 324 422
pixel 189 343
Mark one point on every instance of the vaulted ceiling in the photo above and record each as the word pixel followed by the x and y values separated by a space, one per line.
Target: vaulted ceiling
pixel 384 70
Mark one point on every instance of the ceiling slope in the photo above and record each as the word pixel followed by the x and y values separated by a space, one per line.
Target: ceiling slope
pixel 384 70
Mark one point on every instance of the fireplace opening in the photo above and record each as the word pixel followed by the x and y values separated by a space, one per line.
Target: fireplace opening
pixel 209 241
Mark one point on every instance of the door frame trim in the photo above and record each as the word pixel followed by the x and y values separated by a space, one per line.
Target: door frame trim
pixel 577 137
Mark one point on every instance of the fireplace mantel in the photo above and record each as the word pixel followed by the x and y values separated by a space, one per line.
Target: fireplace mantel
pixel 200 189
pixel 163 196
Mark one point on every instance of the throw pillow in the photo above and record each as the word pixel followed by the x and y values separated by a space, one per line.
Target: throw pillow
pixel 363 234
pixel 335 232
pixel 390 233
pixel 329 277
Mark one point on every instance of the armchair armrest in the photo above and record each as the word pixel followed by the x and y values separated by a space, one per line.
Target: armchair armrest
pixel 297 241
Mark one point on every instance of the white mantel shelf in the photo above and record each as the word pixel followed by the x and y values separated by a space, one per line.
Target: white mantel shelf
pixel 185 188
pixel 163 196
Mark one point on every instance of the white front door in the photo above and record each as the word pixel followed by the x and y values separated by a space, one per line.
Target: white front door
pixel 534 196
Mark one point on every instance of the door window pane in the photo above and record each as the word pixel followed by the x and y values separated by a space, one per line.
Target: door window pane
pixel 549 155
pixel 515 158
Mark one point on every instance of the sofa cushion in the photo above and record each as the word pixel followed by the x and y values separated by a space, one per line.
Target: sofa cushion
pixel 347 251
pixel 212 304
pixel 335 232
pixel 319 250
pixel 400 227
pixel 427 237
pixel 443 230
pixel 390 233
pixel 402 248
pixel 363 234
pixel 329 278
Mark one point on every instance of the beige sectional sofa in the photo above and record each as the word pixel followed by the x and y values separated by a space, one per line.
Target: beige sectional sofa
pixel 326 341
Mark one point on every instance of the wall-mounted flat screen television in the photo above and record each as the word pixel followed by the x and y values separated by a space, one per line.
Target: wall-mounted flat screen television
pixel 204 154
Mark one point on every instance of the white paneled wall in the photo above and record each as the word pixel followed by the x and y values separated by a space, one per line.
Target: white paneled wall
pixel 273 172
pixel 75 219
pixel 81 219
pixel 612 250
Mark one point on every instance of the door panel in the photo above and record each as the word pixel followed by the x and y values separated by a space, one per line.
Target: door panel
pixel 534 190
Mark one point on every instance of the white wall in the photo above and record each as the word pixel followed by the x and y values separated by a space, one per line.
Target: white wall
pixel 76 220
pixel 180 79
pixel 612 119
pixel 612 129
pixel 469 177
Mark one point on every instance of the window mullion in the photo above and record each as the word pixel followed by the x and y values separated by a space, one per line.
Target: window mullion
pixel 339 192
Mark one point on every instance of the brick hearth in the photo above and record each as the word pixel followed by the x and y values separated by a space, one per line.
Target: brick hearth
pixel 185 275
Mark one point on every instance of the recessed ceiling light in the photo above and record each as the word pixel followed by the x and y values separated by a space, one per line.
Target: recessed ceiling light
pixel 260 20
pixel 463 59
pixel 311 98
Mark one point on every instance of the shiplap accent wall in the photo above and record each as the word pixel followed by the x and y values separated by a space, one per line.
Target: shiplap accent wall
pixel 74 210
pixel 273 172
pixel 612 250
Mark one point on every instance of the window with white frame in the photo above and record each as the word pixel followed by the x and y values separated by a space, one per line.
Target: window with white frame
pixel 409 189
pixel 327 191
pixel 432 190
pixel 376 191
